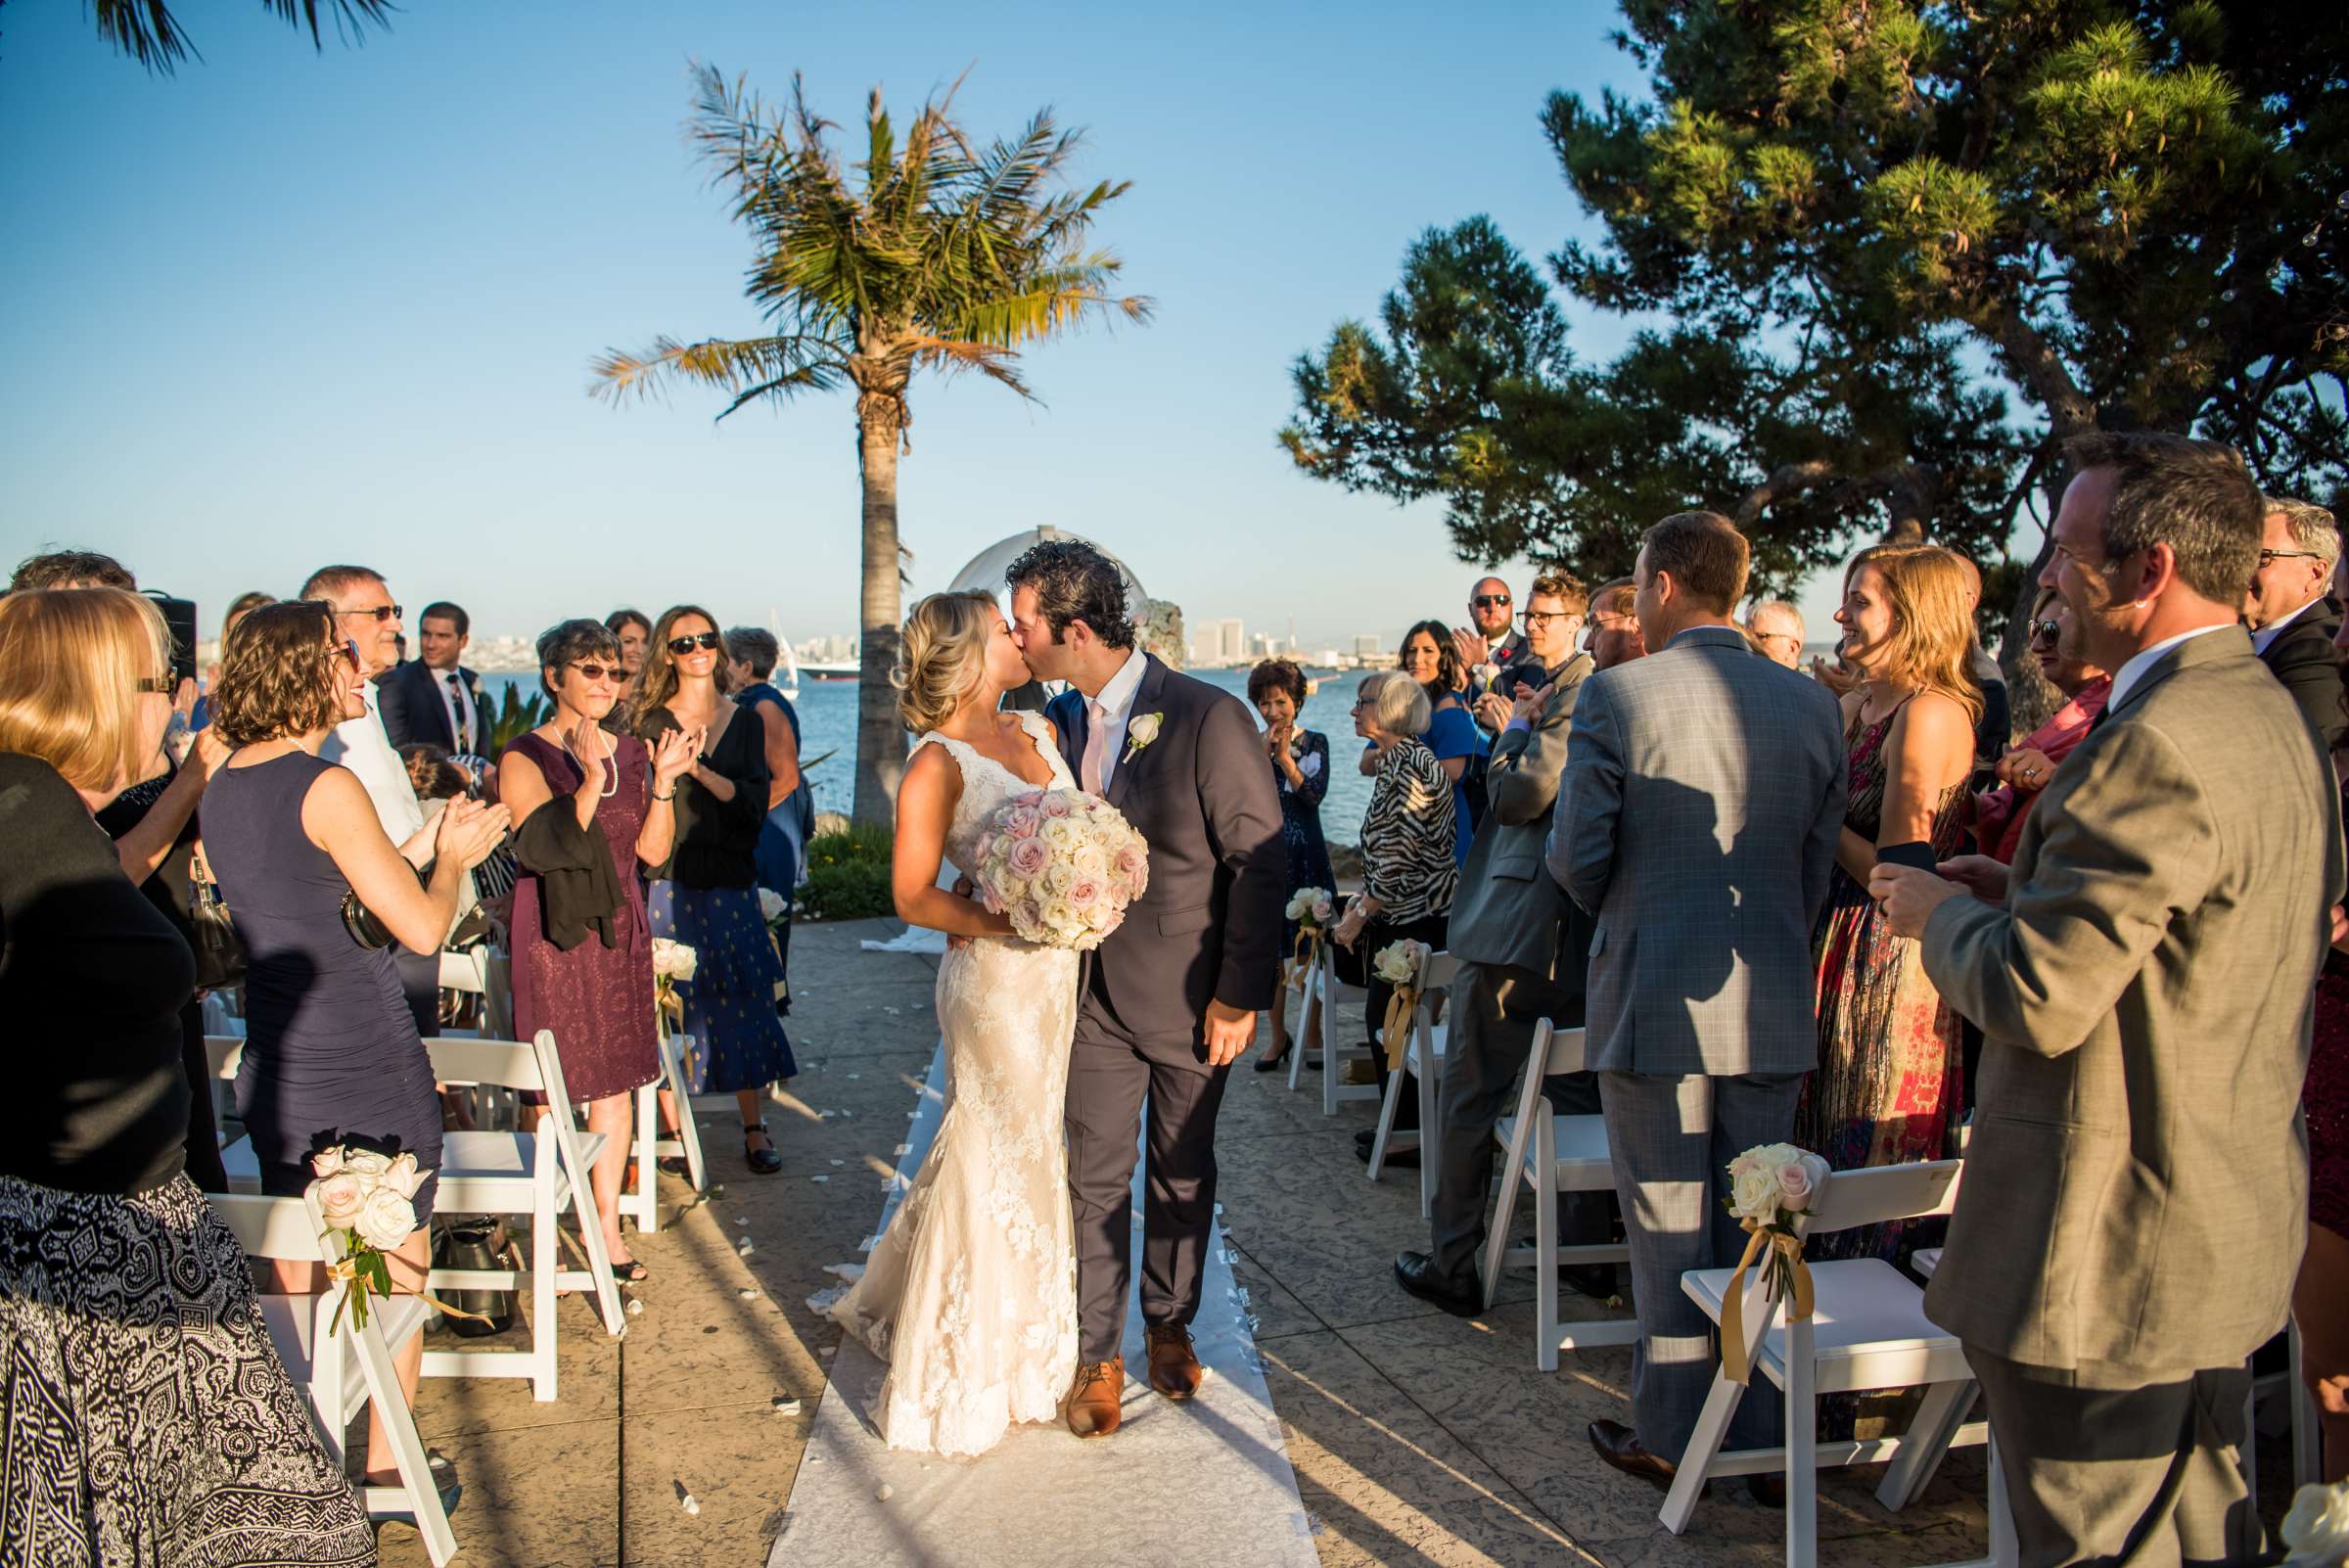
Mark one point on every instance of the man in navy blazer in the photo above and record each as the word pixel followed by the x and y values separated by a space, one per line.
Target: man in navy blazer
pixel 435 699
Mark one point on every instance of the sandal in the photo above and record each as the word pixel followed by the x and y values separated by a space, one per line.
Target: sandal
pixel 632 1273
pixel 763 1162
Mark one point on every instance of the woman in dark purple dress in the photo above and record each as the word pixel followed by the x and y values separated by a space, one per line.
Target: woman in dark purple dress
pixel 331 1055
pixel 590 807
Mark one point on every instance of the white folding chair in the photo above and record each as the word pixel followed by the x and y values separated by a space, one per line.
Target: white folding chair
pixel 1424 1061
pixel 1324 991
pixel 342 1368
pixel 222 1054
pixel 643 1202
pixel 1551 1153
pixel 537 1173
pixel 1868 1332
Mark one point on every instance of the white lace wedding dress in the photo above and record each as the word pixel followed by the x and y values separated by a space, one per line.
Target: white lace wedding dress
pixel 971 1294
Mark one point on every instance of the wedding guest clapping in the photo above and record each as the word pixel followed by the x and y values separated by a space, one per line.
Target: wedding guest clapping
pixel 1429 658
pixel 332 1052
pixel 706 894
pixel 1888 1087
pixel 590 806
pixel 1300 761
pixel 2135 1207
pixel 2025 772
pixel 1408 870
pixel 116 1279
pixel 1491 637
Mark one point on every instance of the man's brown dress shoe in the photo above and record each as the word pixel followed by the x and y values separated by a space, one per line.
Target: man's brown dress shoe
pixel 1618 1446
pixel 1174 1368
pixel 1093 1408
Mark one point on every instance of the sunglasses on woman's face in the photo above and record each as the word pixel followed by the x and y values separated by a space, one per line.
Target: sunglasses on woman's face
pixel 595 673
pixel 682 646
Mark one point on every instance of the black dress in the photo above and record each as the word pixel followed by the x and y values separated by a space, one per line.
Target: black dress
pixel 148 1420
pixel 331 1050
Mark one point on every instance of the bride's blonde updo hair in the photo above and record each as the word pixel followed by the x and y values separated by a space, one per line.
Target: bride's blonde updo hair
pixel 939 657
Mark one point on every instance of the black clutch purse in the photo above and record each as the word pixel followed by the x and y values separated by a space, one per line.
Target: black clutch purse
pixel 220 956
pixel 361 922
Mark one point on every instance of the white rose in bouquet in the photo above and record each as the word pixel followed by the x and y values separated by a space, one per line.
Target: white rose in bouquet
pixel 326 1162
pixel 1398 963
pixel 1063 866
pixel 402 1177
pixel 2316 1533
pixel 675 961
pixel 770 905
pixel 366 1164
pixel 386 1220
pixel 341 1197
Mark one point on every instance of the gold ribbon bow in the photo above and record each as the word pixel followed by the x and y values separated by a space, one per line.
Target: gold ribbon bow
pixel 355 1272
pixel 1792 1276
pixel 1397 1031
pixel 1303 961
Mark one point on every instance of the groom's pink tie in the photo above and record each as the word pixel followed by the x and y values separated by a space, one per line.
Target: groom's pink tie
pixel 1097 747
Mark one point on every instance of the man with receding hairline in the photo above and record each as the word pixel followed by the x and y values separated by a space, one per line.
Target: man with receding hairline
pixel 1697 822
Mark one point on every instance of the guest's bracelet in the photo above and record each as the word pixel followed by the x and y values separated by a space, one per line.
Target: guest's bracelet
pixel 670 796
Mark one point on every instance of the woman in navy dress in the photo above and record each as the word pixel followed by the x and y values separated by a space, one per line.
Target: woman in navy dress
pixel 707 894
pixel 332 1055
pixel 590 809
pixel 1300 761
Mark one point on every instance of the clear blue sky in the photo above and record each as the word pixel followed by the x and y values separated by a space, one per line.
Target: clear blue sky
pixel 289 308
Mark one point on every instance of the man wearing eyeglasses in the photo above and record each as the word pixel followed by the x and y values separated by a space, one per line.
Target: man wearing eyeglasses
pixel 1776 629
pixel 2291 614
pixel 366 612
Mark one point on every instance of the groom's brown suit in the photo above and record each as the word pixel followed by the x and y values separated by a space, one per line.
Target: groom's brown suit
pixel 1208 928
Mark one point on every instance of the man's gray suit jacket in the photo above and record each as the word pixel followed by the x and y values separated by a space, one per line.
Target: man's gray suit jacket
pixel 1509 909
pixel 1699 818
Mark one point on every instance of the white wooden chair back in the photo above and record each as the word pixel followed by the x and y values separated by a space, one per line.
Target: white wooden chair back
pixel 460 1063
pixel 292 1230
pixel 1325 990
pixel 1884 1192
pixel 222 1054
pixel 1423 1055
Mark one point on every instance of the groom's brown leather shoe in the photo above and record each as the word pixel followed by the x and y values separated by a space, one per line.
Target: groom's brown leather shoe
pixel 1093 1408
pixel 1618 1446
pixel 1174 1368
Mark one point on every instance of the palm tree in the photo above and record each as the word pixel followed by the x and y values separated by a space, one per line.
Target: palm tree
pixel 934 255
pixel 148 32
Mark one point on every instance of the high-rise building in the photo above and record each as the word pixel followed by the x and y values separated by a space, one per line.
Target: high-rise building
pixel 1231 642
pixel 1365 645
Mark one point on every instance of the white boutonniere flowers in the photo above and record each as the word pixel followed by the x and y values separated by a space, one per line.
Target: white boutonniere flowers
pixel 1140 731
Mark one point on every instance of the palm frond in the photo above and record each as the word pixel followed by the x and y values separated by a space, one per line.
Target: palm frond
pixel 148 32
pixel 747 367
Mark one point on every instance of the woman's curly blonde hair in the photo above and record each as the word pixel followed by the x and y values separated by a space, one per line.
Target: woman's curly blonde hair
pixel 940 657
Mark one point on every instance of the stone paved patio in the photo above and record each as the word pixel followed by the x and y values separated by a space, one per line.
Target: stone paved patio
pixel 1417 1439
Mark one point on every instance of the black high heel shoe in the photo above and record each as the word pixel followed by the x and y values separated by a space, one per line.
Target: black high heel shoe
pixel 1274 1064
pixel 764 1161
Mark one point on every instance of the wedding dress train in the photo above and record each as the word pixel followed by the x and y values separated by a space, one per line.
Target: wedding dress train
pixel 970 1295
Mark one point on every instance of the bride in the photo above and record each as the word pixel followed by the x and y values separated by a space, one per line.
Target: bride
pixel 971 1294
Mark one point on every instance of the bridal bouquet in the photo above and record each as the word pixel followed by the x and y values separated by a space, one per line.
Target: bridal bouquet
pixel 1063 865
pixel 370 1198
pixel 1771 1185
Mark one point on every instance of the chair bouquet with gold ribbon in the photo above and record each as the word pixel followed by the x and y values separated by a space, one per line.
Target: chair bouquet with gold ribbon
pixel 1771 1186
pixel 674 964
pixel 1400 964
pixel 368 1199
pixel 1313 908
pixel 776 913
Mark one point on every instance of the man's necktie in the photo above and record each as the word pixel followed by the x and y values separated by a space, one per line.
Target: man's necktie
pixel 1097 747
pixel 457 710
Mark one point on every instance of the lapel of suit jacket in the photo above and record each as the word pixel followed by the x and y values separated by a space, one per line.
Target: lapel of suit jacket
pixel 1130 756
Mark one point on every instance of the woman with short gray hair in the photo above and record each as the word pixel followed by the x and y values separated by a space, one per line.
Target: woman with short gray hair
pixel 1409 873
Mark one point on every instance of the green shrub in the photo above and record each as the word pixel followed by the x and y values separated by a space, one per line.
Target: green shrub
pixel 848 875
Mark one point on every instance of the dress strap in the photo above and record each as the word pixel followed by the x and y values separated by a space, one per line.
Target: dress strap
pixel 1039 730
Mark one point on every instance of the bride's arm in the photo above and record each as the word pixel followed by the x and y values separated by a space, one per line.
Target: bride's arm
pixel 926 801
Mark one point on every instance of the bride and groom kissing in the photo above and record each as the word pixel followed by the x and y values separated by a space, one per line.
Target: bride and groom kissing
pixel 998 1292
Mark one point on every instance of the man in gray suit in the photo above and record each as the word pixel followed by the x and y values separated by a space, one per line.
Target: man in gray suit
pixel 1514 970
pixel 2134 1203
pixel 1703 795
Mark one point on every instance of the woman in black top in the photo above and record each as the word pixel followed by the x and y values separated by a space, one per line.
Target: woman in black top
pixel 126 1309
pixel 706 896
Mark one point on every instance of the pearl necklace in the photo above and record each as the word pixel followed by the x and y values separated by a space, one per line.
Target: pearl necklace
pixel 610 773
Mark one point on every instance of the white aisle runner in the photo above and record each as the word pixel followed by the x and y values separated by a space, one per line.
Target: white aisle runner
pixel 1198 1485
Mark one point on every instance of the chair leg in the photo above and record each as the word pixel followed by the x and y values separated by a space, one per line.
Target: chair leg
pixel 398 1423
pixel 689 1131
pixel 1927 1440
pixel 1704 1442
pixel 1429 1130
pixel 1309 1034
pixel 1329 1055
pixel 599 1257
pixel 546 1257
pixel 642 1204
pixel 1496 1233
pixel 1545 1271
pixel 1802 1448
pixel 1385 1124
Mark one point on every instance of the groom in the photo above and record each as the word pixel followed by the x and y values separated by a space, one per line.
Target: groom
pixel 1170 1000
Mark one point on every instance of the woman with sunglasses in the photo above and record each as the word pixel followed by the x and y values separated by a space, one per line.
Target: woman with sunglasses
pixel 332 1053
pixel 589 806
pixel 706 894
pixel 2026 770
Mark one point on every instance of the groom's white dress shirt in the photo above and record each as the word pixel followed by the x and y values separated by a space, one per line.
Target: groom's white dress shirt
pixel 1108 713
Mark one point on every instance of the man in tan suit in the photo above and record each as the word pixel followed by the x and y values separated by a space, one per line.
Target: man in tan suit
pixel 2138 1178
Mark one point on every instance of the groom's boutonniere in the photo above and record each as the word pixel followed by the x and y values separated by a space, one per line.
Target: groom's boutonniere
pixel 1140 731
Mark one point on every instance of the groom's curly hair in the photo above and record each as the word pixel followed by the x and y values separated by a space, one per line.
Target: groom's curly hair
pixel 1074 581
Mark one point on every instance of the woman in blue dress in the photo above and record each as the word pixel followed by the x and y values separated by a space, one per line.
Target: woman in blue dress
pixel 782 851
pixel 706 896
pixel 1300 761
pixel 1431 658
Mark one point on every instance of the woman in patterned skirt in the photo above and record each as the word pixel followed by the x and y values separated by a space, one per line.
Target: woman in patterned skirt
pixel 1301 772
pixel 707 894
pixel 149 1420
pixel 589 806
pixel 1888 1090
